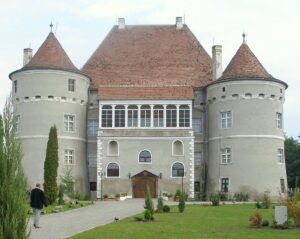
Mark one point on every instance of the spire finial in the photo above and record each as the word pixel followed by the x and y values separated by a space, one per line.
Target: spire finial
pixel 51 25
pixel 244 37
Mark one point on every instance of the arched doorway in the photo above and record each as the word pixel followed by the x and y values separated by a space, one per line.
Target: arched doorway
pixel 140 182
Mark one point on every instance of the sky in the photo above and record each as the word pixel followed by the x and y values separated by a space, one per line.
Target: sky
pixel 271 26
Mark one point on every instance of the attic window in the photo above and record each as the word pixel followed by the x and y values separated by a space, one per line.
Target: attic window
pixel 214 98
pixel 63 98
pixel 38 97
pixel 223 97
pixel 26 98
pixel 223 89
pixel 71 85
pixel 272 97
pixel 280 90
pixel 248 95
pixel 74 99
pixel 235 95
pixel 51 97
pixel 261 96
pixel 82 101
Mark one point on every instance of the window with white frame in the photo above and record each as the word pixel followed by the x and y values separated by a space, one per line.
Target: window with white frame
pixel 177 148
pixel 226 119
pixel 145 157
pixel 224 185
pixel 197 158
pixel 171 116
pixel 113 148
pixel 113 170
pixel 120 116
pixel 71 85
pixel 92 159
pixel 280 156
pixel 226 156
pixel 106 114
pixel 184 116
pixel 92 126
pixel 15 86
pixel 177 170
pixel 145 116
pixel 197 125
pixel 132 118
pixel 158 116
pixel 278 120
pixel 282 186
pixel 17 123
pixel 69 157
pixel 69 123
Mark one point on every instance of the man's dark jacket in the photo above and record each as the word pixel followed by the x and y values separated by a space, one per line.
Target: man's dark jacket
pixel 37 199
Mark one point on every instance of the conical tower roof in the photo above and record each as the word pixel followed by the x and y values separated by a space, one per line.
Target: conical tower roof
pixel 51 55
pixel 244 64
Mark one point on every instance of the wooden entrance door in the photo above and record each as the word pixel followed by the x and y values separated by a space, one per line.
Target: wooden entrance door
pixel 140 183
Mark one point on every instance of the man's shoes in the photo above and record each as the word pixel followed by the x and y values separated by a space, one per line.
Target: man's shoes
pixel 35 226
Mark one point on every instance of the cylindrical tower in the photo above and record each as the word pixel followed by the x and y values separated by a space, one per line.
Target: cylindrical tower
pixel 246 138
pixel 49 90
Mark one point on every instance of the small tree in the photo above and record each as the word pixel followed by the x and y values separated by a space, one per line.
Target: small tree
pixel 181 204
pixel 50 167
pixel 148 201
pixel 13 221
pixel 68 183
pixel 160 204
pixel 60 195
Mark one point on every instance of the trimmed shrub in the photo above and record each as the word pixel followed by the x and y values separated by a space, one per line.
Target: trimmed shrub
pixel 215 199
pixel 148 215
pixel 241 197
pixel 266 201
pixel 160 205
pixel 181 204
pixel 177 195
pixel 60 195
pixel 148 201
pixel 166 208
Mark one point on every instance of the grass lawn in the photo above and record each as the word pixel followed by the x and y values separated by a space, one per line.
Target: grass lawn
pixel 48 209
pixel 197 222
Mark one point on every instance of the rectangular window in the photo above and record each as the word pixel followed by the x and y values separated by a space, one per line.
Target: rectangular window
pixel 15 86
pixel 69 123
pixel 282 185
pixel 93 186
pixel 69 157
pixel 197 186
pixel 145 117
pixel 92 159
pixel 226 120
pixel 197 125
pixel 71 85
pixel 120 116
pixel 226 155
pixel 158 116
pixel 278 120
pixel 132 120
pixel 225 185
pixel 171 116
pixel 17 123
pixel 197 159
pixel 184 116
pixel 106 116
pixel 92 127
pixel 280 156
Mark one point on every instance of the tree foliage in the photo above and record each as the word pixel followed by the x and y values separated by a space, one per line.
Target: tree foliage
pixel 50 167
pixel 68 183
pixel 13 221
pixel 292 158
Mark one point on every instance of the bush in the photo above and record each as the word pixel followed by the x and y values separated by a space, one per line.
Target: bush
pixel 138 219
pixel 82 196
pixel 258 205
pixel 266 201
pixel 241 197
pixel 223 196
pixel 60 195
pixel 148 215
pixel 265 223
pixel 256 220
pixel 166 208
pixel 215 199
pixel 160 205
pixel 181 204
pixel 177 195
pixel 200 196
pixel 68 183
pixel 293 207
pixel 148 201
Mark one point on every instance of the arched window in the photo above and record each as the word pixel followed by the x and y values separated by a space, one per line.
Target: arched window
pixel 177 148
pixel 158 116
pixel 177 170
pixel 106 116
pixel 113 148
pixel 132 120
pixel 145 116
pixel 113 170
pixel 184 116
pixel 171 116
pixel 145 157
pixel 120 116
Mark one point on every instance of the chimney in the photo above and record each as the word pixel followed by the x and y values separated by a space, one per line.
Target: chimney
pixel 121 23
pixel 27 56
pixel 217 70
pixel 179 23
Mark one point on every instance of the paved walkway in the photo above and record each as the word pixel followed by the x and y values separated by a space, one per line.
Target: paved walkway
pixel 66 224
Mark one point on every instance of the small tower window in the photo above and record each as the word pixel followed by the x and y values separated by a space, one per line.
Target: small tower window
pixel 71 85
pixel 223 89
pixel 15 86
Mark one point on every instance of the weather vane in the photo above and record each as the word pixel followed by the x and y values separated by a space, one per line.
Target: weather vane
pixel 244 37
pixel 51 25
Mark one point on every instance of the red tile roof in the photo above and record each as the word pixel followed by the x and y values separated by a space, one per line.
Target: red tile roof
pixel 149 56
pixel 245 64
pixel 146 93
pixel 51 55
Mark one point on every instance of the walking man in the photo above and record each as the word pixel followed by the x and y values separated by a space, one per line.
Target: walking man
pixel 37 202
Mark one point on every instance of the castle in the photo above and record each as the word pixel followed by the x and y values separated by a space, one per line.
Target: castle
pixel 151 108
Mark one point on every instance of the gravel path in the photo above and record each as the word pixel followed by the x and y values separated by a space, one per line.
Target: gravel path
pixel 66 224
